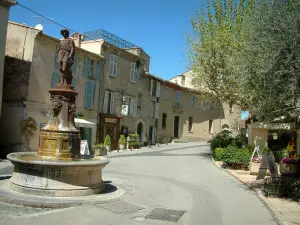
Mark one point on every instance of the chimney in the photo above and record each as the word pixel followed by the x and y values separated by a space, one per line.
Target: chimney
pixel 77 39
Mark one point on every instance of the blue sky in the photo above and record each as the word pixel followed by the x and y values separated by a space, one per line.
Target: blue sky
pixel 158 26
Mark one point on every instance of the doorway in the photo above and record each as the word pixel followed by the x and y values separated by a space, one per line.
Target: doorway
pixel 140 131
pixel 176 126
pixel 150 134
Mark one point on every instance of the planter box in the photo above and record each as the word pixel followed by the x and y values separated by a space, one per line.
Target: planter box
pixel 254 168
pixel 288 169
pixel 100 152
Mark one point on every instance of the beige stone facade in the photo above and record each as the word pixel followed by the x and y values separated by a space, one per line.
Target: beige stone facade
pixel 230 117
pixel 4 11
pixel 30 71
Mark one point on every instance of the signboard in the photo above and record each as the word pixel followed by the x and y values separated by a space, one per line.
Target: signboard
pixel 109 120
pixel 42 125
pixel 267 162
pixel 84 148
pixel 124 110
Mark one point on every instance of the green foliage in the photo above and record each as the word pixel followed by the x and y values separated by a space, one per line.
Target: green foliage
pixel 218 154
pixel 221 140
pixel 122 140
pixel 135 144
pixel 235 156
pixel 240 141
pixel 251 148
pixel 134 137
pixel 107 141
pixel 279 154
pixel 218 36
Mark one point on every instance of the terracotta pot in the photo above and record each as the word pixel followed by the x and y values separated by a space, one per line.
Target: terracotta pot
pixel 288 169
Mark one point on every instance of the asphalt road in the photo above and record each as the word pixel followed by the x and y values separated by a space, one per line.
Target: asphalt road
pixel 182 179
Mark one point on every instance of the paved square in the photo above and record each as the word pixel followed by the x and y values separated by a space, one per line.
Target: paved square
pixel 120 207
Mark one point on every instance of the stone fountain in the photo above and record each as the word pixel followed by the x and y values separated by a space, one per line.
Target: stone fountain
pixel 57 168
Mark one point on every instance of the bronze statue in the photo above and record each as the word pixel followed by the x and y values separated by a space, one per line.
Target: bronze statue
pixel 65 57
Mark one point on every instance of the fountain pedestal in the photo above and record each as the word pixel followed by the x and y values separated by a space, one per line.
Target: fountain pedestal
pixel 57 169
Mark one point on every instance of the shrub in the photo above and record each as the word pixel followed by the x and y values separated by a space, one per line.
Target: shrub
pixel 240 141
pixel 221 140
pixel 235 157
pixel 122 140
pixel 251 148
pixel 107 140
pixel 279 155
pixel 218 154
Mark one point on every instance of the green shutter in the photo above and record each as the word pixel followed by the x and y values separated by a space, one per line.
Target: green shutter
pixel 89 95
pixel 99 70
pixel 86 66
pixel 55 78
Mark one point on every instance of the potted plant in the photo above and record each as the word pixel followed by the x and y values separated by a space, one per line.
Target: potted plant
pixel 122 142
pixel 100 150
pixel 107 142
pixel 288 166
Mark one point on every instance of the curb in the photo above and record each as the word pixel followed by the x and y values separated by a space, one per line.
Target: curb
pixel 278 217
pixel 154 149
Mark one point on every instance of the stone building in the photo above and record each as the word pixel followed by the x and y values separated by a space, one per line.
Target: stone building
pixel 182 116
pixel 124 97
pixel 231 118
pixel 30 71
pixel 4 11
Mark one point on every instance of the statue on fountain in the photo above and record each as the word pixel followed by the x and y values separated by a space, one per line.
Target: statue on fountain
pixel 65 57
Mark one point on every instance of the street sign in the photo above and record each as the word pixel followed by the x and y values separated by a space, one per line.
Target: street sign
pixel 267 162
pixel 244 115
pixel 124 110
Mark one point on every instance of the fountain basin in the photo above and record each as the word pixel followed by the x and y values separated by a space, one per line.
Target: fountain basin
pixel 42 176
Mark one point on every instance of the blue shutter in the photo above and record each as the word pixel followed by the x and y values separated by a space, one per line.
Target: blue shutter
pixel 55 78
pixel 86 66
pixel 99 70
pixel 89 95
pixel 74 66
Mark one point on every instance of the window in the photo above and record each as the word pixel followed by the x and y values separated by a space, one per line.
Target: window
pixel 164 120
pixel 89 95
pixel 133 71
pixel 154 89
pixel 152 109
pixel 92 69
pixel 177 97
pixel 113 64
pixel 109 102
pixel 166 93
pixel 139 102
pixel 210 126
pixel 190 128
pixel 192 100
pixel 131 104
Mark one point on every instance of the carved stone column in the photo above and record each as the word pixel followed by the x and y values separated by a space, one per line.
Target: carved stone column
pixel 59 138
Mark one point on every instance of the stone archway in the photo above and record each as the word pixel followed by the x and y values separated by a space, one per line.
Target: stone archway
pixel 140 129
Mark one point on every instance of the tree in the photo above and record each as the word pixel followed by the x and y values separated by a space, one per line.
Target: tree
pixel 214 47
pixel 271 60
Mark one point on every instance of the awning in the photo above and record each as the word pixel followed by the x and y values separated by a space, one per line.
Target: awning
pixel 84 123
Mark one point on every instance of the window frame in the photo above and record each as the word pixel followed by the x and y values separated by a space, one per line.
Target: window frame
pixel 92 68
pixel 113 65
pixel 133 72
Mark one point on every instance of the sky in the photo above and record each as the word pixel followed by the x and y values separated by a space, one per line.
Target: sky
pixel 157 26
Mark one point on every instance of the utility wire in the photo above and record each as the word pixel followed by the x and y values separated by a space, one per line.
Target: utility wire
pixel 17 3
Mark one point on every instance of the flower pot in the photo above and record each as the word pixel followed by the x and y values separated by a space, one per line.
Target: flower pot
pixel 107 148
pixel 122 147
pixel 100 151
pixel 288 169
